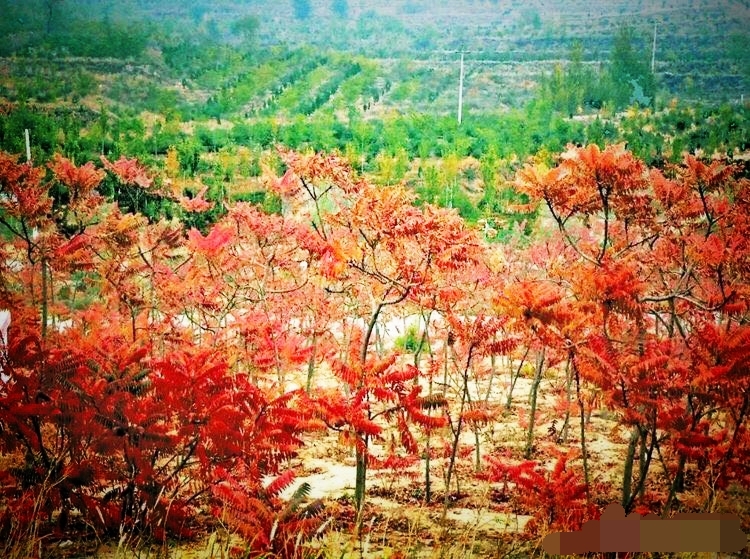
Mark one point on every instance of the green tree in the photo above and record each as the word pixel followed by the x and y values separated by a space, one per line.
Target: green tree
pixel 629 73
pixel 340 8
pixel 580 79
pixel 573 86
pixel 247 28
pixel 188 155
pixel 740 55
pixel 531 18
pixel 52 13
pixel 302 9
pixel 488 165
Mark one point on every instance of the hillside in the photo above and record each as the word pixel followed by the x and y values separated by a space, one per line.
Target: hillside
pixel 411 47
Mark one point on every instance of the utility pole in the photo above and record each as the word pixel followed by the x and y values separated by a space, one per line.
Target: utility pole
pixel 461 89
pixel 28 144
pixel 653 51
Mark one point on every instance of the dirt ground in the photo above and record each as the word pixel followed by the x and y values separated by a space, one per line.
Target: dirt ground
pixel 480 521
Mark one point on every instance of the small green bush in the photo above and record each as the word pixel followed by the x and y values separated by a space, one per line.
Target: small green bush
pixel 409 340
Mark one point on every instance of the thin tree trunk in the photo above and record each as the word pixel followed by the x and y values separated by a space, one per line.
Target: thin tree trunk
pixel 676 482
pixel 642 465
pixel 424 341
pixel 445 370
pixel 133 315
pixel 311 363
pixel 360 477
pixel 361 450
pixel 428 445
pixel 379 343
pixel 477 442
pixel 583 431
pixel 514 378
pixel 427 480
pixel 51 292
pixel 44 297
pixel 532 397
pixel 493 372
pixel 457 435
pixel 627 475
pixel 477 453
pixel 568 398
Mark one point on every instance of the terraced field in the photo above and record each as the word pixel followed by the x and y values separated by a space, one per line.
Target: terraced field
pixel 400 56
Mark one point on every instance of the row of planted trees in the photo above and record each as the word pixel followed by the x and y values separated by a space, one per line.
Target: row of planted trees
pixel 648 304
pixel 152 372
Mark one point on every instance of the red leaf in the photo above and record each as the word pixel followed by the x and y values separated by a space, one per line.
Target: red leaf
pixel 280 483
pixel 129 171
pixel 217 238
pixel 198 203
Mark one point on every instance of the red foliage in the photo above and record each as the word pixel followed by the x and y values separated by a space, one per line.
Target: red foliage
pixel 556 498
pixel 657 278
pixel 112 413
pixel 25 191
pixel 129 171
pixel 81 181
pixel 162 380
pixel 216 239
pixel 196 204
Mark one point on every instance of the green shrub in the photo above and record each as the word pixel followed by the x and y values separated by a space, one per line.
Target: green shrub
pixel 409 340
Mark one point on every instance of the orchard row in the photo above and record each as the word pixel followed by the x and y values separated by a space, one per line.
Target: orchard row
pixel 154 372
